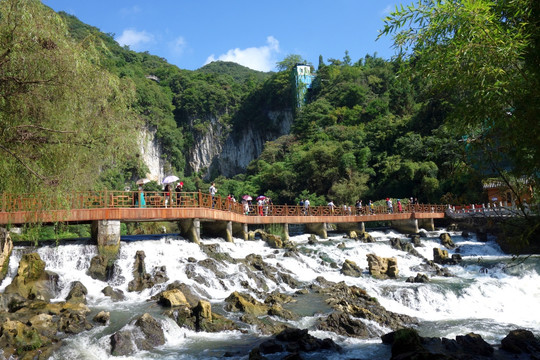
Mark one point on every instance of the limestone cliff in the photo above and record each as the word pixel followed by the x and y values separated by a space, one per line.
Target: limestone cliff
pixel 150 150
pixel 216 152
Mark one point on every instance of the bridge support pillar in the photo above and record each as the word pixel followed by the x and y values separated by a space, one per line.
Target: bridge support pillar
pixel 353 226
pixel 222 229
pixel 317 229
pixel 427 224
pixel 406 226
pixel 106 233
pixel 285 232
pixel 191 229
pixel 240 230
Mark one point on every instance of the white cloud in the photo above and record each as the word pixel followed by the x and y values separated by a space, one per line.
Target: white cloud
pixel 134 39
pixel 388 10
pixel 178 45
pixel 261 58
pixel 128 11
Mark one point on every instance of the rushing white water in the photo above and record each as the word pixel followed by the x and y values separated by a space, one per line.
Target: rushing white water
pixel 489 294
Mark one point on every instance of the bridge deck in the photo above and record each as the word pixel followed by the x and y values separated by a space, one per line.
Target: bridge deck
pixel 91 206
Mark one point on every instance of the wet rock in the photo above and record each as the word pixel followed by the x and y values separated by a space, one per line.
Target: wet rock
pixel 191 298
pixel 300 340
pixel 352 235
pixel 213 252
pixel 141 279
pixel 397 244
pixel 101 268
pixel 465 234
pixel 350 268
pixel 44 324
pixel 422 234
pixel 19 338
pixel 482 236
pixel 102 317
pixel 114 294
pixel 6 247
pixel 521 342
pixel 245 303
pixel 271 346
pixel 312 240
pixel 416 241
pixel 78 293
pixel 341 246
pixel 419 278
pixel 265 325
pixel 365 237
pixel 446 241
pixel 160 275
pixel 288 279
pixel 172 298
pixel 32 281
pixel 122 343
pixel 152 330
pixel 382 268
pixel 73 319
pixel 473 344
pixel 405 341
pixel 279 311
pixel 342 324
pixel 440 256
pixel 278 298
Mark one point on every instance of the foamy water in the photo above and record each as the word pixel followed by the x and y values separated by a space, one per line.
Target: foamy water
pixel 489 293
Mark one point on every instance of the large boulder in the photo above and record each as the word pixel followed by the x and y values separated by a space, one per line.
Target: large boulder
pixel 32 280
pixel 78 293
pixel 350 268
pixel 114 294
pixel 365 237
pixel 382 268
pixel 101 268
pixel 143 280
pixel 446 241
pixel 172 298
pixel 342 324
pixel 440 256
pixel 521 341
pixel 6 246
pixel 146 335
pixel 245 303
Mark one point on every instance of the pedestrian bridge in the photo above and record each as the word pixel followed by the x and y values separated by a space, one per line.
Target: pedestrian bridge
pixel 194 210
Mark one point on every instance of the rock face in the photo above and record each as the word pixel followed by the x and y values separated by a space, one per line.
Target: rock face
pixel 293 341
pixel 350 268
pixel 32 280
pixel 382 267
pixel 407 344
pixel 101 268
pixel 147 335
pixel 151 152
pixel 6 246
pixel 143 280
pixel 446 241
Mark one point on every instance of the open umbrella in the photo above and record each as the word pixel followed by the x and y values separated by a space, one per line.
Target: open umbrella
pixel 247 198
pixel 260 197
pixel 170 179
pixel 142 181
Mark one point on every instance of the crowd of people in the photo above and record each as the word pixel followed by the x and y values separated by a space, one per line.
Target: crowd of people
pixel 263 206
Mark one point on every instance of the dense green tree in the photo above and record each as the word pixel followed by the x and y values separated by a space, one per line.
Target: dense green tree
pixel 483 57
pixel 62 117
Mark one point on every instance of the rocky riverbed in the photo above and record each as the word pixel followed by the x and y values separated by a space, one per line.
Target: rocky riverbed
pixel 302 299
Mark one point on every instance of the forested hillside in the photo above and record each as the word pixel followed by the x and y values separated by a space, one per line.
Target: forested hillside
pixel 366 132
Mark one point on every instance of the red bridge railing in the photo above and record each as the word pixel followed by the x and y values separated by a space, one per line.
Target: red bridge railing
pixel 156 199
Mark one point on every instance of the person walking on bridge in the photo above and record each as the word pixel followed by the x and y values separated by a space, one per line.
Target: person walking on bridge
pixel 213 191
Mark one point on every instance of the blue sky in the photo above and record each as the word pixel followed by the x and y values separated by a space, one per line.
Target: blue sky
pixel 256 34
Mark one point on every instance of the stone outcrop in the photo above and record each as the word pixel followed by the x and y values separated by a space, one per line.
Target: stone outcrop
pixel 407 344
pixel 293 341
pixel 404 246
pixel 6 246
pixel 446 241
pixel 351 303
pixel 172 298
pixel 419 278
pixel 382 268
pixel 147 335
pixel 245 303
pixel 440 256
pixel 350 268
pixel 32 281
pixel 101 268
pixel 143 280
pixel 114 294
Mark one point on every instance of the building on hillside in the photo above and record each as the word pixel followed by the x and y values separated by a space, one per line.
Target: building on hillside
pixel 302 82
pixel 499 192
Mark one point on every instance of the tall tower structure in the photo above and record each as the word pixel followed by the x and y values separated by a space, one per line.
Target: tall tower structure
pixel 302 82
